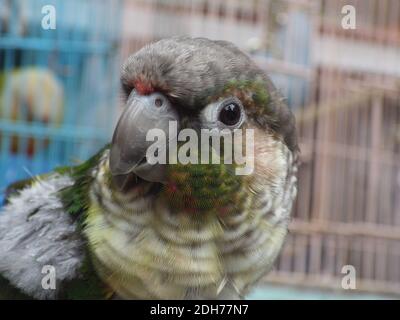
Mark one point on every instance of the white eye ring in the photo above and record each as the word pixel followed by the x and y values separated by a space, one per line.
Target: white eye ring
pixel 210 114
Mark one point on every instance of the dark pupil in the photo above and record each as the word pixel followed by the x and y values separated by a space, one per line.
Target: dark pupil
pixel 230 114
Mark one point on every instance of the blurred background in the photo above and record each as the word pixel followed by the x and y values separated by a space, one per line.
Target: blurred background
pixel 59 101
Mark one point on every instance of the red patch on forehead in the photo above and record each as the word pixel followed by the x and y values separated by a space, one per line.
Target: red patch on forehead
pixel 143 88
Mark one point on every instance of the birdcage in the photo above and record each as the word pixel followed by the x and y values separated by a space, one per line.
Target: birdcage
pixel 347 213
pixel 58 81
pixel 343 86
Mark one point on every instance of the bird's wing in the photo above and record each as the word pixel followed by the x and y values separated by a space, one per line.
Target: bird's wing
pixel 40 237
pixel 37 235
pixel 14 188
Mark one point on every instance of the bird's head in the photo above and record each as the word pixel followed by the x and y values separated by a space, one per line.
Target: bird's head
pixel 181 94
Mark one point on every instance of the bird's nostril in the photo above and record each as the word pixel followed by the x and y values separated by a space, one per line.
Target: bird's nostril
pixel 158 102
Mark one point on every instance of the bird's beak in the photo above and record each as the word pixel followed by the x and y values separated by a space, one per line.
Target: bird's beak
pixel 129 143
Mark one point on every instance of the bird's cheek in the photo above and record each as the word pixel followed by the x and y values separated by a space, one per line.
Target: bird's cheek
pixel 270 165
pixel 202 188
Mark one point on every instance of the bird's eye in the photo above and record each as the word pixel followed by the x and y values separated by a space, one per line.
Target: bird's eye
pixel 230 114
pixel 226 114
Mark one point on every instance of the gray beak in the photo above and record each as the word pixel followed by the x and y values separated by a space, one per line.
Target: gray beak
pixel 129 143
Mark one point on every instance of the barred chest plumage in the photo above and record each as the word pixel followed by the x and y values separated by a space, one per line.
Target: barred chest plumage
pixel 142 249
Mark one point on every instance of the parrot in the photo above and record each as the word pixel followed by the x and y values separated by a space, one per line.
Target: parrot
pixel 119 226
pixel 31 94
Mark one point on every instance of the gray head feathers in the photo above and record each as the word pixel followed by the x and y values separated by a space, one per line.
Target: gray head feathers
pixel 190 70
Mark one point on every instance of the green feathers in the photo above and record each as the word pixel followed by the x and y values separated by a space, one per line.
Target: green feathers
pixel 253 93
pixel 76 201
pixel 88 286
pixel 203 188
pixel 76 197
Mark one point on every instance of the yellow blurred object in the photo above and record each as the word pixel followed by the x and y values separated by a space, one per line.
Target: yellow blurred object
pixel 31 95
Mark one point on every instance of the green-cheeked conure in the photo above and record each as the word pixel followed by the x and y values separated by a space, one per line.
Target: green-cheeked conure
pixel 122 226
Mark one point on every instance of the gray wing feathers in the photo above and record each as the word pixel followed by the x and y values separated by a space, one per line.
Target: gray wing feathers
pixel 35 231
